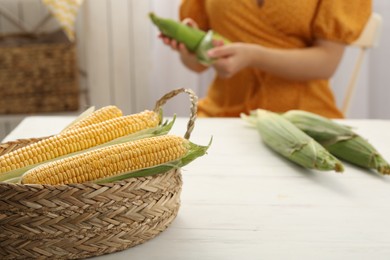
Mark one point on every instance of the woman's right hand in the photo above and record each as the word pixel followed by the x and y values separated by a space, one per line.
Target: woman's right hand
pixel 188 58
pixel 175 45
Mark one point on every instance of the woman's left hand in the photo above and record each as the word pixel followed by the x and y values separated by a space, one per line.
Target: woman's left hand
pixel 231 58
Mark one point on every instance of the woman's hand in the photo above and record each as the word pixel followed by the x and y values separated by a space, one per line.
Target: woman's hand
pixel 231 58
pixel 316 62
pixel 189 59
pixel 177 46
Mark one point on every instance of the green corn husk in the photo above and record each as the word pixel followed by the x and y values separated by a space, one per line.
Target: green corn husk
pixel 196 41
pixel 191 37
pixel 206 44
pixel 339 140
pixel 286 139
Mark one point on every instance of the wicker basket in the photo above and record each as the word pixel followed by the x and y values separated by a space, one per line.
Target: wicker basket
pixel 83 220
pixel 38 73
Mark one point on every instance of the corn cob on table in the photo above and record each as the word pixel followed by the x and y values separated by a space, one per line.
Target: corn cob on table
pixel 246 202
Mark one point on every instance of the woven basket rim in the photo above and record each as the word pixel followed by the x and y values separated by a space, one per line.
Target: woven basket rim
pixel 84 184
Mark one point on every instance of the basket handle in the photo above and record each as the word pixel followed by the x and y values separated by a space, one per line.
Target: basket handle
pixel 193 107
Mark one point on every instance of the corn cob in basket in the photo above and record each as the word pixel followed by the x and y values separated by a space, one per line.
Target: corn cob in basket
pixel 90 117
pixel 144 157
pixel 15 163
pixel 90 133
pixel 289 141
pixel 130 151
pixel 340 140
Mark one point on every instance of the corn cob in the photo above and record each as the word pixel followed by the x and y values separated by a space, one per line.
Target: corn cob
pixel 115 160
pixel 196 41
pixel 16 162
pixel 286 139
pixel 340 140
pixel 191 37
pixel 100 115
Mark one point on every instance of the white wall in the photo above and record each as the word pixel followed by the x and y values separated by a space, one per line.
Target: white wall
pixel 117 49
pixel 359 105
pixel 379 63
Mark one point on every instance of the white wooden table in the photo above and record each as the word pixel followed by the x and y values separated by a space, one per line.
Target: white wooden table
pixel 242 201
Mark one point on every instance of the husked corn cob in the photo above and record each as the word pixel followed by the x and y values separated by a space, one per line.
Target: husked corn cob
pixel 340 140
pixel 77 140
pixel 98 116
pixel 110 161
pixel 286 139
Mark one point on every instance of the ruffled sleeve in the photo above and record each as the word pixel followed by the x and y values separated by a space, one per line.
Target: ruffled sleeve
pixel 195 9
pixel 341 20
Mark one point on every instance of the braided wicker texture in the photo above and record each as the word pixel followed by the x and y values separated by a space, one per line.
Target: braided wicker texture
pixel 77 221
pixel 83 220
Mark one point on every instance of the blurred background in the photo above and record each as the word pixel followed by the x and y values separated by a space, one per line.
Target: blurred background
pixel 121 61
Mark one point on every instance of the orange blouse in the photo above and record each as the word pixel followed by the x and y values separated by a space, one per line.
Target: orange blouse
pixel 279 24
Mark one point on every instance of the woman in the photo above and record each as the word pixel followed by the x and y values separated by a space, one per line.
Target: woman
pixel 282 56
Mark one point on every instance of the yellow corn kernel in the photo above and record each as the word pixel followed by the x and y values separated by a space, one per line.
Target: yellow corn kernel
pixel 98 116
pixel 110 161
pixel 77 140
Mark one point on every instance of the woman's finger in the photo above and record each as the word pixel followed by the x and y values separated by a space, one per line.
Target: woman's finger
pixel 166 40
pixel 189 22
pixel 220 52
pixel 174 44
pixel 217 43
pixel 183 49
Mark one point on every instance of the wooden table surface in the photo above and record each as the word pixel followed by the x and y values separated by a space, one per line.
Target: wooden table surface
pixel 242 201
